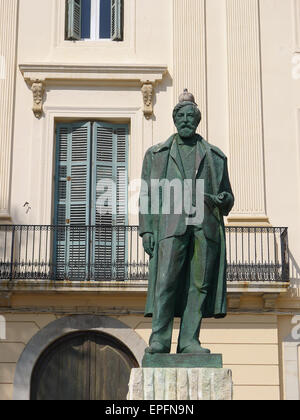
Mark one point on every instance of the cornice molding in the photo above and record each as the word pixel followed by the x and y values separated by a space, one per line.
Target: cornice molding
pixel 129 287
pixel 138 73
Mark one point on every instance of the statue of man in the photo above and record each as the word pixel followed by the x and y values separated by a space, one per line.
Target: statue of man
pixel 187 277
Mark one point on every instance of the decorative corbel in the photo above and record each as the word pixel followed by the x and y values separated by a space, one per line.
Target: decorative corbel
pixel 148 93
pixel 234 300
pixel 38 90
pixel 270 300
pixel 5 300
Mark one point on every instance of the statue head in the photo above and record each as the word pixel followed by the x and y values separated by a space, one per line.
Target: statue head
pixel 186 115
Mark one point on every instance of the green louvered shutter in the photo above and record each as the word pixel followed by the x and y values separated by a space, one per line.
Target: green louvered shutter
pixel 72 200
pixel 121 138
pixel 117 20
pixel 111 163
pixel 73 20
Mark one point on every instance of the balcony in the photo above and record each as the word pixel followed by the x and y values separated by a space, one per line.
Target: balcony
pixel 93 254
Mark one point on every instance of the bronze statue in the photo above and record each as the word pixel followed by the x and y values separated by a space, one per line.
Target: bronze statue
pixel 187 261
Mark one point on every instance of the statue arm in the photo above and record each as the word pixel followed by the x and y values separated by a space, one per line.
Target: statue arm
pixel 145 217
pixel 225 199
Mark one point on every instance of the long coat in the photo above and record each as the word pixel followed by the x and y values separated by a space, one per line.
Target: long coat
pixel 211 166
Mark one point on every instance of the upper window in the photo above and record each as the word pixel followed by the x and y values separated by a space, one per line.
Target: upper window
pixel 94 20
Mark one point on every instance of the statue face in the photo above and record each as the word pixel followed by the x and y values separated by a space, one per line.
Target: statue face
pixel 186 122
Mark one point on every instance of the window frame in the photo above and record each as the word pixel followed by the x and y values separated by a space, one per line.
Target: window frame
pixel 63 248
pixel 116 22
pixel 95 23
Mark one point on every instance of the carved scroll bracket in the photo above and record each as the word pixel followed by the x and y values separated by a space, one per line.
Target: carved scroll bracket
pixel 38 91
pixel 148 94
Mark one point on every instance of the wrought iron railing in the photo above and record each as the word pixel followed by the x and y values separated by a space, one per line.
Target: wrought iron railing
pixel 105 253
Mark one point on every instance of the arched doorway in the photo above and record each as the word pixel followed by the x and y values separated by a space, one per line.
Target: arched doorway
pixel 83 366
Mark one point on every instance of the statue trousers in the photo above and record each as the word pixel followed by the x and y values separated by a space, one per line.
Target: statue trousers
pixel 183 279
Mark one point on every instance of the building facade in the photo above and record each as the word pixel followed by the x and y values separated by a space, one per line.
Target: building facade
pixel 86 88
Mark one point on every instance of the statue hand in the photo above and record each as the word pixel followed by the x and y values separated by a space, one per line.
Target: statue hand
pixel 149 243
pixel 220 200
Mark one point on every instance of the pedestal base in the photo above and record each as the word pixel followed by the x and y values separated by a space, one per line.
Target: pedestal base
pixel 214 361
pixel 165 384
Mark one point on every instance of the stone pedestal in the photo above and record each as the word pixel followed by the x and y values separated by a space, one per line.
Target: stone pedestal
pixel 165 384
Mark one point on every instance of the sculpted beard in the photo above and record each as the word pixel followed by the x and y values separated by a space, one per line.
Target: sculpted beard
pixel 186 129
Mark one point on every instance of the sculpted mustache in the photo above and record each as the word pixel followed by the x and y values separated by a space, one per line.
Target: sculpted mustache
pixel 187 126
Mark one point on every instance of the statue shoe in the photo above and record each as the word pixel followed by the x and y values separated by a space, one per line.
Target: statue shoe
pixel 194 349
pixel 156 347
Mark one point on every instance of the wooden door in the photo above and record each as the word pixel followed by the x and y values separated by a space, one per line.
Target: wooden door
pixel 83 366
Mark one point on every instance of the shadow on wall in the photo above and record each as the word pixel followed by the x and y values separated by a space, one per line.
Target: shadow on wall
pixel 294 277
pixel 166 84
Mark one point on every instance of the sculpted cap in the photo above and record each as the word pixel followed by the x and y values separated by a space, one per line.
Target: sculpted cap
pixel 186 96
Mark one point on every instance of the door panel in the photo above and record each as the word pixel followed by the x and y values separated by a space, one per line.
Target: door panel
pixel 103 386
pixel 84 366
